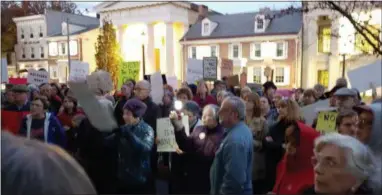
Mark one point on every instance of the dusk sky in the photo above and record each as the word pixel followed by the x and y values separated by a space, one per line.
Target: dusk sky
pixel 221 6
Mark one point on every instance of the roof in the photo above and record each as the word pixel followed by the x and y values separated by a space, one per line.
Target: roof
pixel 243 25
pixel 89 28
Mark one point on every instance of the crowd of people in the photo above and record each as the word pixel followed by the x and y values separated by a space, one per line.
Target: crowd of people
pixel 240 141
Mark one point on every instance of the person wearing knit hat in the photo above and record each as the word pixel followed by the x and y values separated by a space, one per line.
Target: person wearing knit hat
pixel 136 137
pixel 192 110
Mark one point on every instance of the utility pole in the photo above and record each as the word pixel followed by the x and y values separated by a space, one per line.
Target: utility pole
pixel 343 65
pixel 67 34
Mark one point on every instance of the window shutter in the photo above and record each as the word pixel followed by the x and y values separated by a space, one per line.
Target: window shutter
pixel 230 50
pixel 252 51
pixel 240 50
pixel 286 75
pixel 286 49
pixel 250 74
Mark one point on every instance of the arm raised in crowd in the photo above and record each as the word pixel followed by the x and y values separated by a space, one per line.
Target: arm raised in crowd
pixel 235 171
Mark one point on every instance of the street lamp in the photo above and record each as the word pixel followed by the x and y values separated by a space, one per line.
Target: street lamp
pixel 143 55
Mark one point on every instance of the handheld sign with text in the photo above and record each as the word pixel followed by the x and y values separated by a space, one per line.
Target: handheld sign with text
pixel 226 67
pixel 166 134
pixel 233 81
pixel 210 68
pixel 37 77
pixel 78 70
pixel 128 70
pixel 156 87
pixel 194 70
pixel 326 121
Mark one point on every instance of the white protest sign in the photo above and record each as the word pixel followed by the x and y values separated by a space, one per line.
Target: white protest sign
pixel 166 135
pixel 172 81
pixel 194 70
pixel 100 80
pixel 310 112
pixel 360 78
pixel 37 77
pixel 210 68
pixel 157 90
pixel 4 70
pixel 99 117
pixel 78 71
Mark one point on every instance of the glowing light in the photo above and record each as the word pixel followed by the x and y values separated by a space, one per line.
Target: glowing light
pixel 53 49
pixel 178 105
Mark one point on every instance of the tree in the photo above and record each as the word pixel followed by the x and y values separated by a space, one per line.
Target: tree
pixel 12 9
pixel 368 37
pixel 107 54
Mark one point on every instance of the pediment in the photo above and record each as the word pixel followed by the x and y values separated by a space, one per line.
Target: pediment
pixel 125 5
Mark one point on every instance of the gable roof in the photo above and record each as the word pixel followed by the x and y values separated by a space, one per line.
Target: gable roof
pixel 243 25
pixel 88 28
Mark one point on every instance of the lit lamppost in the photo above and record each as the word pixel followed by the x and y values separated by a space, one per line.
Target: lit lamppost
pixel 143 55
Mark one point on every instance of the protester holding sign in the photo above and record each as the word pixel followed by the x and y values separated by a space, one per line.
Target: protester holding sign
pixel 42 125
pixel 200 147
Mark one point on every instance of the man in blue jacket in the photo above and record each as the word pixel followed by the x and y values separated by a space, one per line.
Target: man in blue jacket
pixel 231 171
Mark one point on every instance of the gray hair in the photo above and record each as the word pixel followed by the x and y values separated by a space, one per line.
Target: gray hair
pixel 360 160
pixel 214 110
pixel 145 84
pixel 238 105
pixel 52 171
pixel 224 94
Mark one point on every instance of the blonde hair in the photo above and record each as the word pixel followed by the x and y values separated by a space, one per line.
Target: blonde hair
pixel 293 110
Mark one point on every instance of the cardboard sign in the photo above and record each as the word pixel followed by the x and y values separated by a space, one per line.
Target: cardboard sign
pixel 99 117
pixel 157 90
pixel 37 77
pixel 128 70
pixel 370 74
pixel 78 71
pixel 210 68
pixel 233 81
pixel 4 70
pixel 166 135
pixel 194 70
pixel 226 67
pixel 326 121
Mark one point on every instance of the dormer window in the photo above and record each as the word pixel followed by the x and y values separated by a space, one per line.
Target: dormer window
pixel 206 28
pixel 260 23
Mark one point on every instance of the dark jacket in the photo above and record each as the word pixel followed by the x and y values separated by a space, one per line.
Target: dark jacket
pixel 118 110
pixel 14 107
pixel 55 104
pixel 165 110
pixel 274 151
pixel 134 144
pixel 200 147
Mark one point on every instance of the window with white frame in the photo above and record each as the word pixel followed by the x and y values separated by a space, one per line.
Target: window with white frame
pixel 206 28
pixel 193 52
pixel 73 47
pixel 281 50
pixel 235 51
pixel 41 34
pixel 213 51
pixel 31 29
pixel 280 75
pixel 257 75
pixel 53 50
pixel 32 52
pixel 22 33
pixel 63 48
pixel 257 50
pixel 23 52
pixel 259 23
pixel 42 52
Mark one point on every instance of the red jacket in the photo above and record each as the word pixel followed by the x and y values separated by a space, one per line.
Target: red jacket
pixel 66 119
pixel 295 173
pixel 208 100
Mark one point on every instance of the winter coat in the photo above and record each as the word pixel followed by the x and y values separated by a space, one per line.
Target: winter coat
pixel 200 147
pixel 53 132
pixel 295 173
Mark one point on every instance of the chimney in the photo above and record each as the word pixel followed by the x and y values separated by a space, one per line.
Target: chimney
pixel 203 12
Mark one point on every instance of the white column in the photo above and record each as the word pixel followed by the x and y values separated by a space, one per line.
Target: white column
pixel 150 62
pixel 169 67
pixel 121 38
pixel 334 63
pixel 309 49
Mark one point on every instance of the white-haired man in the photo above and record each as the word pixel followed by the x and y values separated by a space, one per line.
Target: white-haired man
pixel 231 171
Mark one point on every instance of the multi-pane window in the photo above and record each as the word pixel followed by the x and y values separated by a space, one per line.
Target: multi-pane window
pixel 23 52
pixel 213 51
pixel 42 52
pixel 324 37
pixel 279 75
pixel 257 48
pixel 41 34
pixel 257 75
pixel 22 33
pixel 235 51
pixel 31 32
pixel 280 50
pixel 32 52
pixel 260 23
pixel 193 52
pixel 63 48
pixel 323 77
pixel 206 28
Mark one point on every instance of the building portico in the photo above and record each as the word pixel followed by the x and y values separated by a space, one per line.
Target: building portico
pixel 158 26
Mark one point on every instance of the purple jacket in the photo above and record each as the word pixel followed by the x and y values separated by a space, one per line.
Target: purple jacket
pixel 200 148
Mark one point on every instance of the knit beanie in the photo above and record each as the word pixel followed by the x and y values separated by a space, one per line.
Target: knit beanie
pixel 136 106
pixel 192 107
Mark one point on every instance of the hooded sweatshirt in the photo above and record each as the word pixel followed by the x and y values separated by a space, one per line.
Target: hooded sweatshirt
pixel 295 173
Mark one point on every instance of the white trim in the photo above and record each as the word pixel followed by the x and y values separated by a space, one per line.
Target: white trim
pixel 285 51
pixel 286 71
pixel 230 51
pixel 252 51
pixel 25 18
pixel 190 52
pixel 217 50
pixel 240 39
pixel 260 30
pixel 206 32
